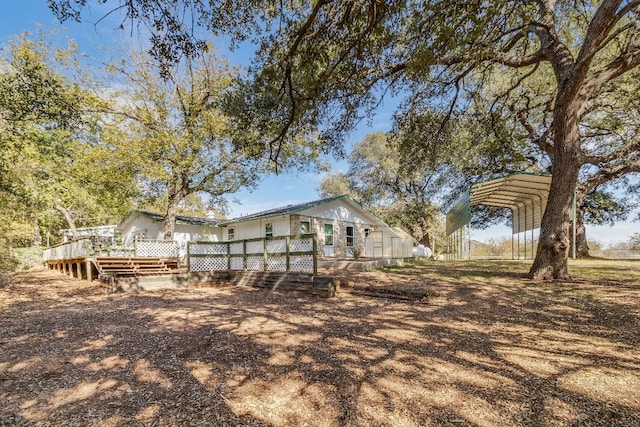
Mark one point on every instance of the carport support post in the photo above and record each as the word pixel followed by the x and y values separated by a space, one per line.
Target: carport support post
pixel 525 230
pixel 532 242
pixel 469 231
pixel 513 254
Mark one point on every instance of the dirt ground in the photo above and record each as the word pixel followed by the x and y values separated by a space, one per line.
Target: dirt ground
pixel 454 344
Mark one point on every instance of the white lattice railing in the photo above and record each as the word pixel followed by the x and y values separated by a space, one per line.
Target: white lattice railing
pixel 283 253
pixel 157 248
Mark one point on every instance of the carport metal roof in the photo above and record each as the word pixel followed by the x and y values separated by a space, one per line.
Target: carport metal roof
pixel 525 194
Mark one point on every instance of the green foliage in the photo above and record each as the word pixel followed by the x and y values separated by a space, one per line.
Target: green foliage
pixel 357 251
pixel 634 241
pixel 49 173
pixel 380 178
pixel 27 258
pixel 602 208
pixel 167 127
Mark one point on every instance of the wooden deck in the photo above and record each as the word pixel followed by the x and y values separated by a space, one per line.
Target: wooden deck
pixel 90 268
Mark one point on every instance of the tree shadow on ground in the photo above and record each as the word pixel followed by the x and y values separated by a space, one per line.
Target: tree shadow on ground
pixel 477 354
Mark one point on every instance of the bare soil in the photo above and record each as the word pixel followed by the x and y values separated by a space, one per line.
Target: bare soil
pixel 446 344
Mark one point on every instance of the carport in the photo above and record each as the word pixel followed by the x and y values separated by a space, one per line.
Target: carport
pixel 524 194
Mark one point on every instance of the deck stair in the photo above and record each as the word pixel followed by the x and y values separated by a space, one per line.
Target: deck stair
pixel 134 266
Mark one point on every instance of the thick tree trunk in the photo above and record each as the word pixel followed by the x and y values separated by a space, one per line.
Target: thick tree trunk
pixel 425 240
pixel 177 193
pixel 170 218
pixel 555 231
pixel 554 242
pixel 582 247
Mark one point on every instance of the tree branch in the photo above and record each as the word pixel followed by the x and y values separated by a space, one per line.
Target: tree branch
pixel 614 69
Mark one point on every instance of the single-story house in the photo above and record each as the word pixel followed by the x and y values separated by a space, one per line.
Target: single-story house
pixel 343 226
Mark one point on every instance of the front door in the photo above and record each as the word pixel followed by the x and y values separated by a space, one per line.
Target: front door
pixel 328 239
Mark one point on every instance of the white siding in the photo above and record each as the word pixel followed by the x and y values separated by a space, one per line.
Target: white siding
pixel 140 226
pixel 340 211
pixel 143 227
pixel 186 233
pixel 256 228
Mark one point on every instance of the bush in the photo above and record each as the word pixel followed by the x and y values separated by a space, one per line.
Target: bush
pixel 20 259
pixel 27 258
pixel 356 251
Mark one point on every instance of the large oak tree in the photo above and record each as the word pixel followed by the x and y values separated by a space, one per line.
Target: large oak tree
pixel 167 126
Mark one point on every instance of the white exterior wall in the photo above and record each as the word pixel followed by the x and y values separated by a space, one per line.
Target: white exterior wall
pixel 256 228
pixel 143 227
pixel 186 233
pixel 338 210
pixel 140 225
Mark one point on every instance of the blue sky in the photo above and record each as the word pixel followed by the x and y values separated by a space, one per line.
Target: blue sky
pixel 17 16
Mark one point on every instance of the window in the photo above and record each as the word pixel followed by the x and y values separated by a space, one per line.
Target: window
pixel 231 234
pixel 367 231
pixel 328 234
pixel 268 229
pixel 305 227
pixel 349 236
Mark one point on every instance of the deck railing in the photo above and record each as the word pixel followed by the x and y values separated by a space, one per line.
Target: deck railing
pixel 84 247
pixel 282 254
pixel 80 248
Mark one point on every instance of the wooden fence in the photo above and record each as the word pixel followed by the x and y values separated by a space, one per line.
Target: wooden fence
pixel 271 254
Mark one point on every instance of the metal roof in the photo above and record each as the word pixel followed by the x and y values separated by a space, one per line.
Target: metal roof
pixel 525 194
pixel 180 219
pixel 293 209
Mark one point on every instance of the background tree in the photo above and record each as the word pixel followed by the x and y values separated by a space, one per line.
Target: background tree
pixel 378 179
pixel 405 176
pixel 634 241
pixel 49 126
pixel 328 58
pixel 172 134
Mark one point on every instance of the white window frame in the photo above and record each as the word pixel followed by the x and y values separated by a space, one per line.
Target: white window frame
pixel 351 236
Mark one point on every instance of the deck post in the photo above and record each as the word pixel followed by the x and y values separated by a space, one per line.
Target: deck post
pixel 79 270
pixel 89 271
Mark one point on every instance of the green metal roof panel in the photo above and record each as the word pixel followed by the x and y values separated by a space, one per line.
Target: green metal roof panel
pixel 459 215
